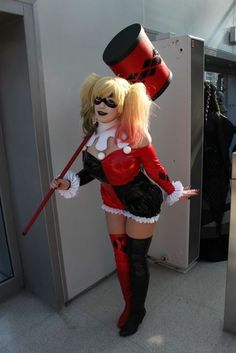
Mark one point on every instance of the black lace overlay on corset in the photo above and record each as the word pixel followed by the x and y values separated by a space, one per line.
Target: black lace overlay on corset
pixel 93 167
pixel 141 196
pixel 84 177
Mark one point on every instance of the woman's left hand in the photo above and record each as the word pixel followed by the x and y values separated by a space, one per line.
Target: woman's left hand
pixel 188 193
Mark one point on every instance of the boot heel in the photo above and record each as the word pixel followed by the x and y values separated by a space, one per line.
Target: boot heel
pixel 137 250
pixel 132 324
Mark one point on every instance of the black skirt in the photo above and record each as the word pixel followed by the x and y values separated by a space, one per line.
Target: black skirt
pixel 141 196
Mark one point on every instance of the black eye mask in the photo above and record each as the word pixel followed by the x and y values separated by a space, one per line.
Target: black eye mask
pixel 108 101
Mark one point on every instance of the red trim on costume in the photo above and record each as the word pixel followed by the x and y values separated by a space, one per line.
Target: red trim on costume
pixel 109 197
pixel 119 243
pixel 121 168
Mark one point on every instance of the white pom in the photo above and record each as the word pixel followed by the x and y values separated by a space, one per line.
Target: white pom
pixel 101 156
pixel 127 149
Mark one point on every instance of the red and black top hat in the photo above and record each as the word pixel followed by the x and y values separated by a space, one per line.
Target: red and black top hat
pixel 131 55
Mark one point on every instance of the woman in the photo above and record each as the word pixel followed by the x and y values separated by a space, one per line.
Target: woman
pixel 120 155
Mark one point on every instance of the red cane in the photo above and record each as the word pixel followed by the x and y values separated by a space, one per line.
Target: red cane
pixel 51 191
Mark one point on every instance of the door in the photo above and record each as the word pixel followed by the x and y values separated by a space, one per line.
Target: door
pixel 10 267
pixel 25 164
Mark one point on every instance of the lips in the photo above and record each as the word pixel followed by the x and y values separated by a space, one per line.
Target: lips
pixel 101 113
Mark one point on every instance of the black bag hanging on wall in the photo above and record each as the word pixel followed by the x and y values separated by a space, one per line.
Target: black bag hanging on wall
pixel 218 134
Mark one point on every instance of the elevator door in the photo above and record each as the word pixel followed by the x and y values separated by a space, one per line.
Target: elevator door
pixel 6 270
pixel 25 162
pixel 10 267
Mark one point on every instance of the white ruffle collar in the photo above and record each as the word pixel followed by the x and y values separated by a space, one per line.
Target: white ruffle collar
pixel 104 131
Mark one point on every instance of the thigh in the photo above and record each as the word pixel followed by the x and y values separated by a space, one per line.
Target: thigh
pixel 138 230
pixel 115 223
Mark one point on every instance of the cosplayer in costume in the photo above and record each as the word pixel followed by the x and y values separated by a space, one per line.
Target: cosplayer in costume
pixel 121 156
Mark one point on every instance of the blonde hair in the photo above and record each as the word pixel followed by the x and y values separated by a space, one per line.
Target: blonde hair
pixel 133 105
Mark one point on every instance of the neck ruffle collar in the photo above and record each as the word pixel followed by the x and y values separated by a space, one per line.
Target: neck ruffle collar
pixel 104 131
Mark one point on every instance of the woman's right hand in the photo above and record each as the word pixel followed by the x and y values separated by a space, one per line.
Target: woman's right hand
pixel 60 184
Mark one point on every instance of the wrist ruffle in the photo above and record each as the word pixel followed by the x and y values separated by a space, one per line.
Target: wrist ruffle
pixel 74 185
pixel 175 195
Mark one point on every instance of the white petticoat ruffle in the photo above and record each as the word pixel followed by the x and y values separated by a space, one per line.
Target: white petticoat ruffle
pixel 130 215
pixel 74 185
pixel 175 195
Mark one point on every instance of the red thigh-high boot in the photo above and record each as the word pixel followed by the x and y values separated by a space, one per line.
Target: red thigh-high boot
pixel 119 243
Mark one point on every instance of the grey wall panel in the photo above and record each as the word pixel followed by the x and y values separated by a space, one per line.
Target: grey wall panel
pixel 22 158
pixel 230 293
pixel 197 126
pixel 177 134
pixel 73 37
pixel 12 7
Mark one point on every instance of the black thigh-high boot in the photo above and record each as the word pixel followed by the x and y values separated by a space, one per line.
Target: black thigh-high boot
pixel 137 250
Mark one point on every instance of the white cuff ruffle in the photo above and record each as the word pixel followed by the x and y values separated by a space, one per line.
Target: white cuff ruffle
pixel 74 185
pixel 175 195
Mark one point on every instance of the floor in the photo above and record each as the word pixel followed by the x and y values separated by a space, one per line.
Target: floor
pixel 184 315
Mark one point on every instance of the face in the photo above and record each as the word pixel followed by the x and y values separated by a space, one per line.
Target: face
pixel 105 109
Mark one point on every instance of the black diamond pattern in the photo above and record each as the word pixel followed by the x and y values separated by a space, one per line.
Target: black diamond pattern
pixel 147 63
pixel 133 76
pixel 152 71
pixel 164 176
pixel 143 75
pixel 149 68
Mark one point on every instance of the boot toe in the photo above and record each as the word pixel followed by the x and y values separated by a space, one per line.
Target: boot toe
pixel 131 327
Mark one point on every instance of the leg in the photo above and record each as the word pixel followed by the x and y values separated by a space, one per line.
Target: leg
pixel 116 227
pixel 138 230
pixel 115 223
pixel 137 249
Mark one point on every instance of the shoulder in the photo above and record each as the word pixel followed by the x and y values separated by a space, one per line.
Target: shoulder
pixel 146 140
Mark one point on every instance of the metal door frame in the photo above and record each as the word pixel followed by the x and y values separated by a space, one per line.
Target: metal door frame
pixel 13 284
pixel 25 8
pixel 230 311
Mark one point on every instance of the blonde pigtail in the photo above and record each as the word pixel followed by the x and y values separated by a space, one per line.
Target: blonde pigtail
pixel 87 112
pixel 135 115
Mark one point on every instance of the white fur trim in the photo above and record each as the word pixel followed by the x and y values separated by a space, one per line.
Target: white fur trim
pixel 113 210
pixel 74 185
pixel 130 215
pixel 142 219
pixel 175 195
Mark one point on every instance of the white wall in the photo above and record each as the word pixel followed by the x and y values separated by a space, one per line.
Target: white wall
pixel 73 35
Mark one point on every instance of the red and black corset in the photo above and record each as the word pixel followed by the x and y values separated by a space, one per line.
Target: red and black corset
pixel 124 183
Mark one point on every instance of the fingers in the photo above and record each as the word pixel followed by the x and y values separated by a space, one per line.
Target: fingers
pixel 60 184
pixel 55 183
pixel 188 193
pixel 192 192
pixel 187 187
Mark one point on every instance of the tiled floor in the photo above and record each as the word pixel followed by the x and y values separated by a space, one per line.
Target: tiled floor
pixel 184 315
